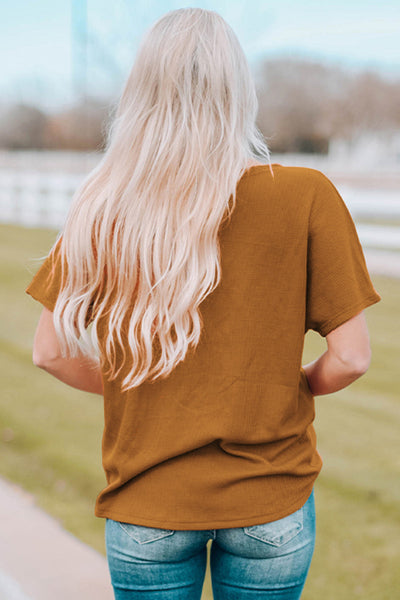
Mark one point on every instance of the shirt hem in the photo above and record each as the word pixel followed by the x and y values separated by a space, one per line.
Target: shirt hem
pixel 208 524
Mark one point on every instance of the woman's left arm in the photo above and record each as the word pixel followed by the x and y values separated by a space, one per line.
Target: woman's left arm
pixel 81 373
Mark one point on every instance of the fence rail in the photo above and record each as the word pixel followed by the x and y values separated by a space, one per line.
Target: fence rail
pixel 36 199
pixel 37 192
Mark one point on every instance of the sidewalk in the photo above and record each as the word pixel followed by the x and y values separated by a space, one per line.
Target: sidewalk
pixel 39 560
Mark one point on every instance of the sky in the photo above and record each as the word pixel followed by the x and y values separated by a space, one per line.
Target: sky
pixel 45 61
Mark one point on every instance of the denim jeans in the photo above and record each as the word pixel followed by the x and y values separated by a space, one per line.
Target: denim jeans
pixel 266 561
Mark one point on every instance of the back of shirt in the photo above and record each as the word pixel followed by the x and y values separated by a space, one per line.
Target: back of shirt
pixel 226 440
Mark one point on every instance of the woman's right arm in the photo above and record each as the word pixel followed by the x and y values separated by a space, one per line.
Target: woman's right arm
pixel 347 358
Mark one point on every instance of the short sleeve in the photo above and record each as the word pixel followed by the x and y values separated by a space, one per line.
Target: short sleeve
pixel 50 279
pixel 338 283
pixel 47 283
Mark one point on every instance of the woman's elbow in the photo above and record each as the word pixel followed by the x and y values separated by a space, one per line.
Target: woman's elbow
pixel 42 357
pixel 38 359
pixel 356 362
pixel 362 363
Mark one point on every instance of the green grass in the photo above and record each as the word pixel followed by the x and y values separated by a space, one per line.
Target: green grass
pixel 50 440
pixel 50 434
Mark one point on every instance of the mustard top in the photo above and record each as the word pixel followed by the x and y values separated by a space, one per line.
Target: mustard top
pixel 227 439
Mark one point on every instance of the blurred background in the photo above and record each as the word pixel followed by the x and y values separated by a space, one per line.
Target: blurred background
pixel 328 82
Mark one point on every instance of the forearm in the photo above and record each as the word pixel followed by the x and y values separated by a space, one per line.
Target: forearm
pixel 81 373
pixel 328 374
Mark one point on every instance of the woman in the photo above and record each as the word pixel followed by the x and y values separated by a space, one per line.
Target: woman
pixel 188 314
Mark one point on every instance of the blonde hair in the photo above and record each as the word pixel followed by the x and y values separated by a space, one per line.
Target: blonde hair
pixel 141 237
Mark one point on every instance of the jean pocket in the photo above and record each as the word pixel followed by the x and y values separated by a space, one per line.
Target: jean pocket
pixel 280 532
pixel 144 535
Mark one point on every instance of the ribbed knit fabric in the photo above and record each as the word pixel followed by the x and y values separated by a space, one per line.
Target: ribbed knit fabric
pixel 227 440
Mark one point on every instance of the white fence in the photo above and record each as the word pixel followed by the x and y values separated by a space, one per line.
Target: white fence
pixel 36 199
pixel 41 198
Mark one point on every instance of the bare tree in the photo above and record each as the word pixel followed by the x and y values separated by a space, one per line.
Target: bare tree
pixel 22 126
pixel 81 127
pixel 304 103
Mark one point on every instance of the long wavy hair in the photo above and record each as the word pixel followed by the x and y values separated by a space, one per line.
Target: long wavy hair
pixel 141 238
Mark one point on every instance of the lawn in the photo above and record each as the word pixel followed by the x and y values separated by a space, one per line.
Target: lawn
pixel 50 438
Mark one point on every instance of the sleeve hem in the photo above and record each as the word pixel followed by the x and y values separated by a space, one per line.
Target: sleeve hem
pixel 44 301
pixel 347 314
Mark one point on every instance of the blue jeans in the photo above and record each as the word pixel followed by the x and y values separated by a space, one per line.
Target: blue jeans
pixel 267 561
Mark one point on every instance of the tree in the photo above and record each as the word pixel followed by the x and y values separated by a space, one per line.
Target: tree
pixel 303 104
pixel 22 126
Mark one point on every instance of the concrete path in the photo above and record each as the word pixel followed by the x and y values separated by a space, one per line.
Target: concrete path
pixel 39 560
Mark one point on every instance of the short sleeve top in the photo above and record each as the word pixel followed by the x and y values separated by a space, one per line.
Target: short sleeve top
pixel 227 439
